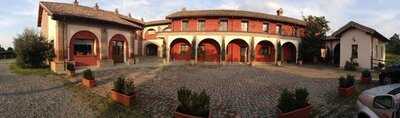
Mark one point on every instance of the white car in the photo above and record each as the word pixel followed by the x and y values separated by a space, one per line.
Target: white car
pixel 380 102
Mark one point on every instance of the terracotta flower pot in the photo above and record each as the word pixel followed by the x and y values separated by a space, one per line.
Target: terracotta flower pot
pixel 298 113
pixel 123 99
pixel 346 91
pixel 89 83
pixel 182 115
pixel 365 80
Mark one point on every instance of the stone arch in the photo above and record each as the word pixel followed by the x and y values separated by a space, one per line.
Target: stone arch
pixel 118 48
pixel 265 51
pixel 166 29
pixel 151 49
pixel 84 48
pixel 150 34
pixel 180 49
pixel 208 50
pixel 289 52
pixel 237 50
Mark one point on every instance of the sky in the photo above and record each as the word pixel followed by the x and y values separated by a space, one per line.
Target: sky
pixel 382 15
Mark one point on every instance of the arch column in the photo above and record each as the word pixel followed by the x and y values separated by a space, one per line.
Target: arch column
pixel 104 60
pixel 194 46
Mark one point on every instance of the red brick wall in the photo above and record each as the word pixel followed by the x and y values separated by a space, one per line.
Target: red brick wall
pixel 234 25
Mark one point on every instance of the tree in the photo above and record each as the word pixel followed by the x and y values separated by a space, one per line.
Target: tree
pixel 2 49
pixel 315 33
pixel 394 44
pixel 31 49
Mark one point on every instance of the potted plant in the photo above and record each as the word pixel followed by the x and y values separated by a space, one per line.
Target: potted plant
pixel 279 58
pixel 294 105
pixel 123 91
pixel 346 86
pixel 192 104
pixel 71 69
pixel 88 79
pixel 366 76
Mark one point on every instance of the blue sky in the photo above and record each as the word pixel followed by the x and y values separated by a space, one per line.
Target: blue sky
pixel 383 15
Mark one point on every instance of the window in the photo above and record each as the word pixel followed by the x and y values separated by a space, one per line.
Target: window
pixel 265 27
pixel 354 51
pixel 185 25
pixel 245 26
pixel 83 47
pixel 383 102
pixel 201 25
pixel 223 25
pixel 265 51
pixel 183 49
pixel 278 29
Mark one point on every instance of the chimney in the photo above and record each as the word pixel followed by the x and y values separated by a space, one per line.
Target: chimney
pixel 116 11
pixel 76 3
pixel 130 15
pixel 184 9
pixel 96 6
pixel 279 12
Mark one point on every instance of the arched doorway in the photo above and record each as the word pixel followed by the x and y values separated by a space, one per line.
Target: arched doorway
pixel 265 52
pixel 180 49
pixel 151 49
pixel 208 50
pixel 237 51
pixel 289 52
pixel 84 49
pixel 118 48
pixel 336 55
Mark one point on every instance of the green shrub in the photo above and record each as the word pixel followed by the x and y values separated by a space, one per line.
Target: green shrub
pixel 289 101
pixel 31 49
pixel 119 84
pixel 70 67
pixel 124 86
pixel 193 103
pixel 279 50
pixel 346 82
pixel 366 73
pixel 88 74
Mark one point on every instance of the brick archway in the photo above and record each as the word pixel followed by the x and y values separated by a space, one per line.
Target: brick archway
pixel 265 52
pixel 289 52
pixel 151 49
pixel 180 49
pixel 208 51
pixel 237 51
pixel 84 49
pixel 118 48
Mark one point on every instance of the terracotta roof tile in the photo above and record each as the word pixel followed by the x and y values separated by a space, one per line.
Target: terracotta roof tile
pixel 64 9
pixel 234 13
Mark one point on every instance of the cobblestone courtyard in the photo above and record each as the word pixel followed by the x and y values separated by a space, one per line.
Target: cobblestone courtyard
pixel 236 90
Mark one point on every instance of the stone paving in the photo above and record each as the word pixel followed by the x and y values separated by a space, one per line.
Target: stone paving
pixel 37 97
pixel 236 90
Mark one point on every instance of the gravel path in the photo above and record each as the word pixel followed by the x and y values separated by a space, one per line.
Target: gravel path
pixel 39 97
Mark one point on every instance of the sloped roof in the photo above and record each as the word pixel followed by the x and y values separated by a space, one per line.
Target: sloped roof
pixel 366 29
pixel 157 22
pixel 69 10
pixel 234 13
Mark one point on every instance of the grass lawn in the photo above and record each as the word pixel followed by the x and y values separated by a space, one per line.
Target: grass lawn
pixel 29 71
pixel 392 58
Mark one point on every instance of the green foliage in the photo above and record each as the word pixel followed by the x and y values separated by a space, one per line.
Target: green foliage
pixel 289 101
pixel 279 50
pixel 31 49
pixel 124 86
pixel 346 82
pixel 88 74
pixel 392 58
pixel 193 103
pixel 70 67
pixel 315 32
pixel 394 44
pixel 366 73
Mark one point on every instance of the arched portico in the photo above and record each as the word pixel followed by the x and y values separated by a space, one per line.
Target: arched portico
pixel 208 50
pixel 118 48
pixel 84 49
pixel 289 52
pixel 237 51
pixel 151 49
pixel 265 51
pixel 180 49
